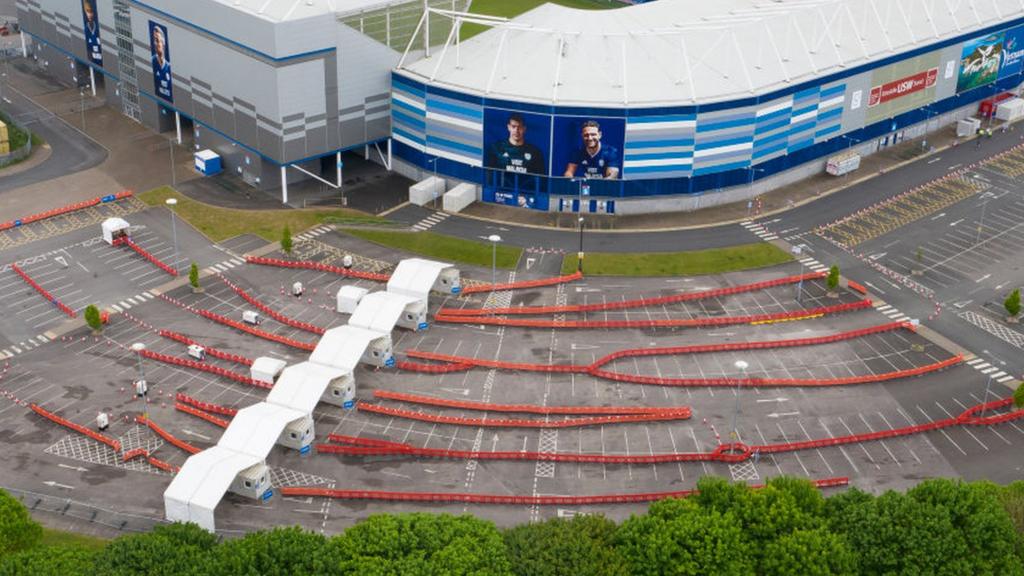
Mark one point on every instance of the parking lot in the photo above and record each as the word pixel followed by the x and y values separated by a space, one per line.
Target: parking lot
pixel 80 374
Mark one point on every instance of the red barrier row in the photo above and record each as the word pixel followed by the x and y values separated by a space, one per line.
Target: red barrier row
pixel 505 499
pixel 170 438
pixel 523 408
pixel 431 368
pixel 273 313
pixel 205 406
pixel 237 377
pixel 143 453
pixel 728 453
pixel 77 428
pixel 638 303
pixel 64 210
pixel 594 368
pixel 670 323
pixel 236 358
pixel 307 346
pixel 681 414
pixel 856 287
pixel 318 266
pixel 523 284
pixel 43 291
pixel 200 414
pixel 145 254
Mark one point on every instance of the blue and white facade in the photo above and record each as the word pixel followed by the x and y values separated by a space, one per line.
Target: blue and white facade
pixel 767 110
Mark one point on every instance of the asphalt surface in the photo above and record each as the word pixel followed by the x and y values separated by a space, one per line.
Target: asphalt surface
pixel 71 150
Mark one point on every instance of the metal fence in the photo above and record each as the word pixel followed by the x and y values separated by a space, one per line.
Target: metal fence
pixel 395 23
pixel 70 508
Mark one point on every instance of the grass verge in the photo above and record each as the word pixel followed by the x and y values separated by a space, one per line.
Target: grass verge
pixel 60 538
pixel 219 224
pixel 696 263
pixel 512 8
pixel 445 248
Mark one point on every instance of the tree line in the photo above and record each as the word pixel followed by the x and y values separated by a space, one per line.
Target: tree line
pixel 940 527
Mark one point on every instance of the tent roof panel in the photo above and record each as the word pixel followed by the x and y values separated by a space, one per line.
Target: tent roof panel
pixel 342 347
pixel 255 430
pixel 380 311
pixel 301 385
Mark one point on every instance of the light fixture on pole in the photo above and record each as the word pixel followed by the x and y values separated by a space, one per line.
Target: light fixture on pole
pixel 171 203
pixel 742 365
pixel 494 238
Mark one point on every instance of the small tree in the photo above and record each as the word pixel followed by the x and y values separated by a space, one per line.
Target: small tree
pixel 919 259
pixel 286 240
pixel 833 280
pixel 193 277
pixel 1018 396
pixel 1012 303
pixel 92 318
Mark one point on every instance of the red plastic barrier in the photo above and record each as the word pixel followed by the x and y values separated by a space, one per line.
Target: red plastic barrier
pixel 273 313
pixel 668 323
pixel 63 210
pixel 431 368
pixel 205 406
pixel 170 438
pixel 43 291
pixel 145 254
pixel 506 499
pixel 77 428
pixel 856 287
pixel 318 266
pixel 524 284
pixel 524 408
pixel 523 423
pixel 728 453
pixel 200 414
pixel 165 466
pixel 638 303
pixel 205 368
pixel 307 346
pixel 134 453
pixel 209 350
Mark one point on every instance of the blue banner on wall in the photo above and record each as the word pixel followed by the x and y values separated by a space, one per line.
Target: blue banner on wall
pixel 1013 52
pixel 979 62
pixel 91 28
pixel 588 147
pixel 160 51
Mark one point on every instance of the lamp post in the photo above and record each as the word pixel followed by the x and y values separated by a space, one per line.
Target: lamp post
pixel 171 203
pixel 434 162
pixel 750 184
pixel 494 238
pixel 797 251
pixel 742 365
pixel 579 255
pixel 81 105
pixel 981 223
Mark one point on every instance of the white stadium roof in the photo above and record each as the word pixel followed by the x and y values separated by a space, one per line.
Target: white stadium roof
pixel 673 52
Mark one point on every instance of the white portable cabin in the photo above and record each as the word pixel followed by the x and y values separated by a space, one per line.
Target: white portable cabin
pixel 382 311
pixel 346 346
pixel 425 191
pixel 417 278
pixel 256 429
pixel 253 482
pixel 349 298
pixel 266 370
pixel 460 197
pixel 202 481
pixel 114 228
pixel 1010 110
pixel 302 385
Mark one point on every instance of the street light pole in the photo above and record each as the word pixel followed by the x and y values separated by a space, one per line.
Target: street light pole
pixel 981 223
pixel 171 203
pixel 579 255
pixel 742 365
pixel 494 238
pixel 797 251
pixel 81 105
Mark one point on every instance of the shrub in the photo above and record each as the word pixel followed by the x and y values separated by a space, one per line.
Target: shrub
pixel 92 317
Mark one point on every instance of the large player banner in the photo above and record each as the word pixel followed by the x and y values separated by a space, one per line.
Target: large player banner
pixel 160 51
pixel 586 147
pixel 91 29
pixel 979 62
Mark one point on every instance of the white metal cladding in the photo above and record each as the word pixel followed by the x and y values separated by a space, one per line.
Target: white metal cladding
pixel 201 483
pixel 342 347
pixel 681 51
pixel 302 385
pixel 380 311
pixel 255 430
pixel 415 277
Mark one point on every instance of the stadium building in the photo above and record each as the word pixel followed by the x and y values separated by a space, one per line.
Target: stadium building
pixel 676 104
pixel 666 105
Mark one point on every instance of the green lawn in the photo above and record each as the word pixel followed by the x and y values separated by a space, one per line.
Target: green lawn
pixel 222 223
pixel 60 538
pixel 510 8
pixel 695 263
pixel 440 247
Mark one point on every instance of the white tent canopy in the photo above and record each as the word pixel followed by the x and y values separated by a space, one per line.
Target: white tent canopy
pixel 255 430
pixel 415 277
pixel 201 483
pixel 301 385
pixel 380 311
pixel 342 347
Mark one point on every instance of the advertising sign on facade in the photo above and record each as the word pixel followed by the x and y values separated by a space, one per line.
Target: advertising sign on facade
pixel 91 28
pixel 979 62
pixel 903 87
pixel 1013 52
pixel 588 147
pixel 160 51
pixel 516 142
